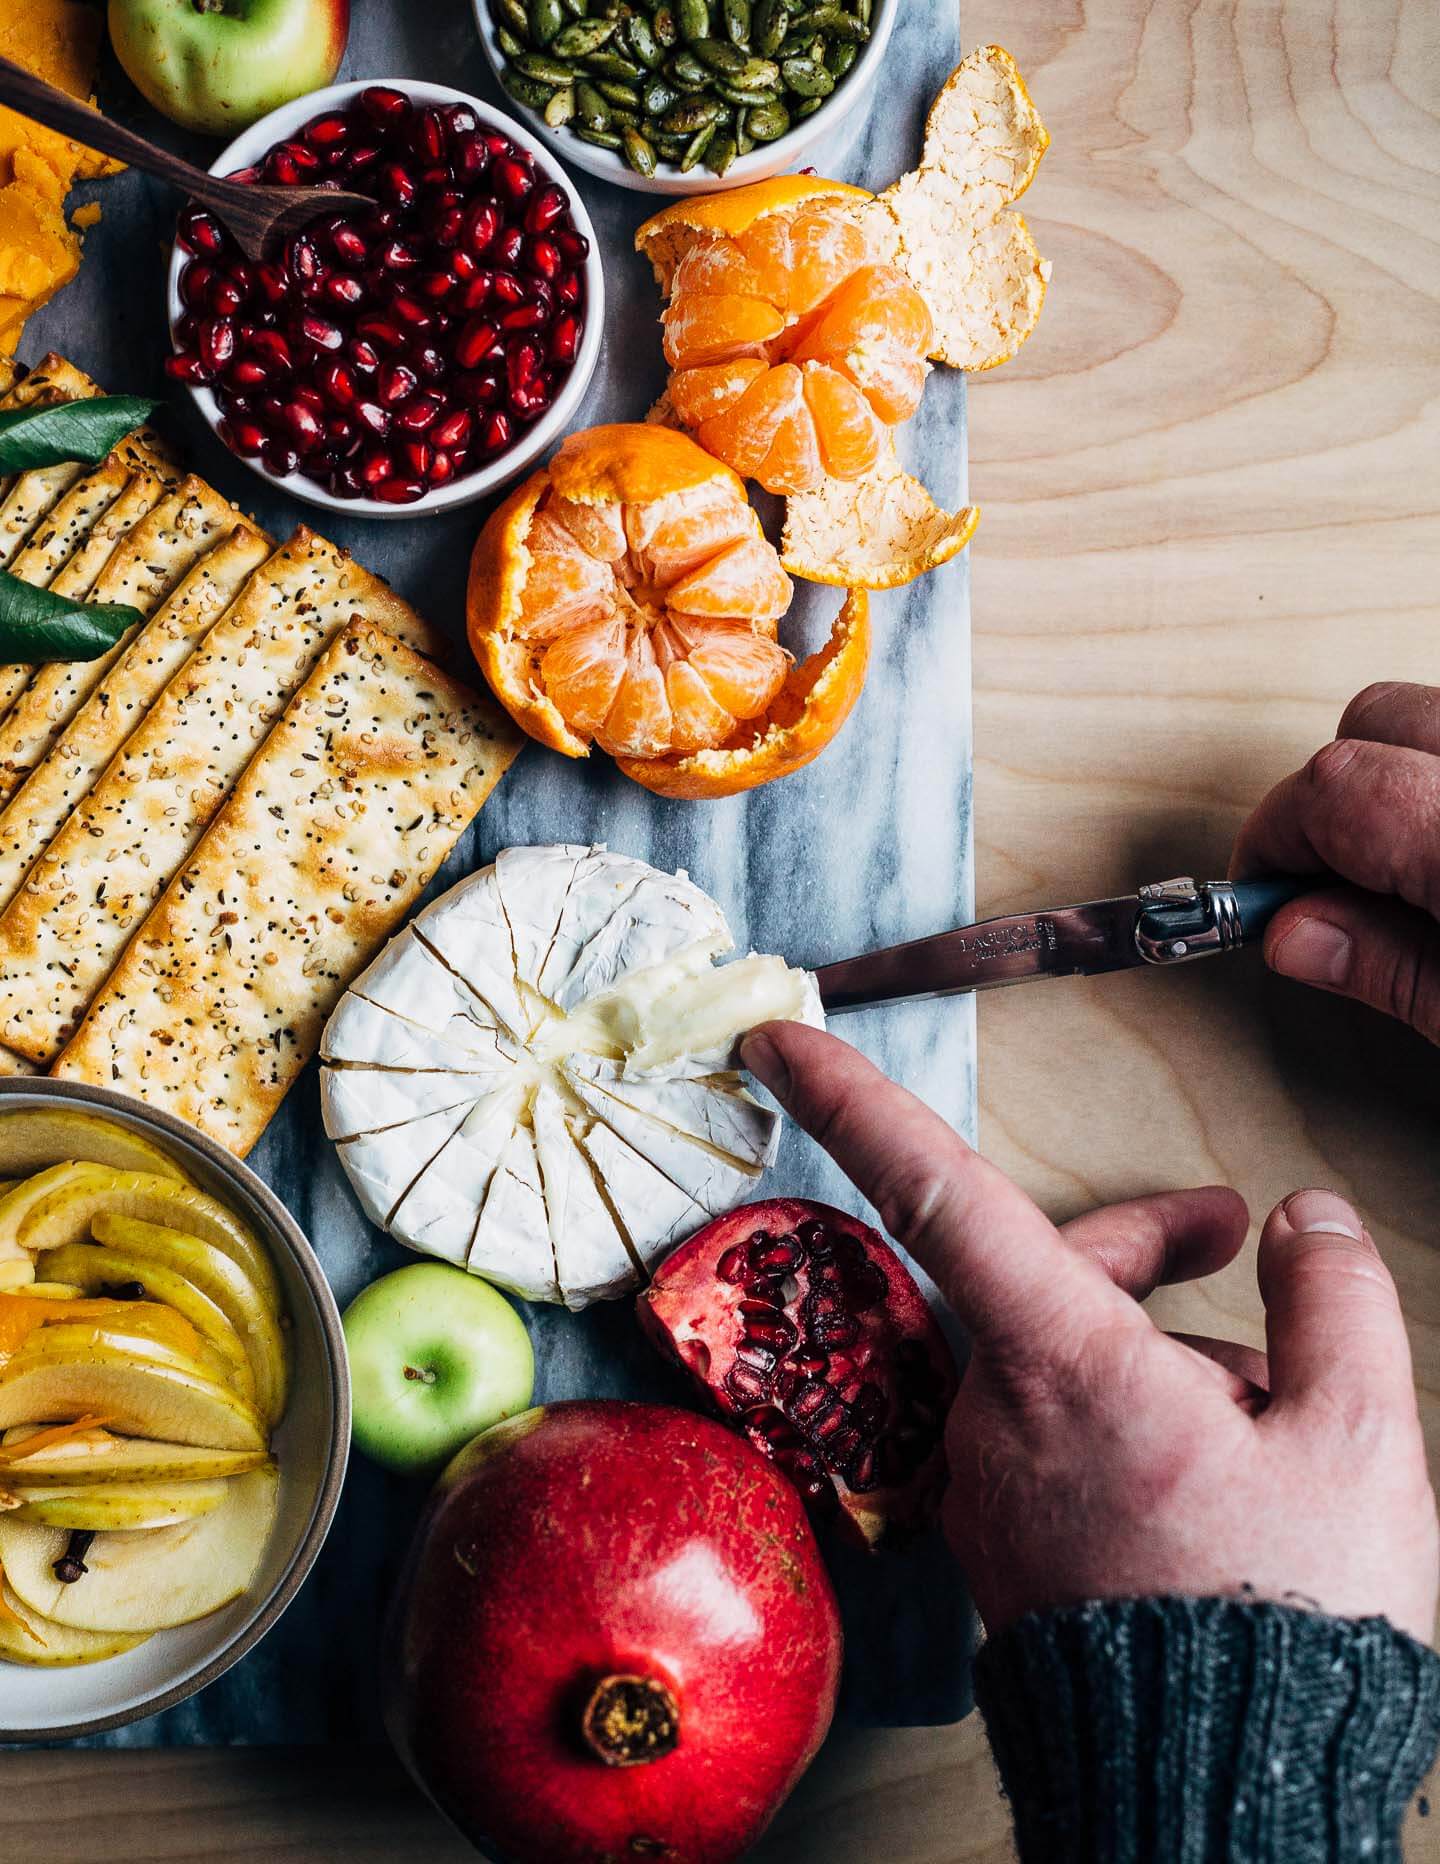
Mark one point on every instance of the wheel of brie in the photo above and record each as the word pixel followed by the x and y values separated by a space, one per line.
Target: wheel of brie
pixel 537 1079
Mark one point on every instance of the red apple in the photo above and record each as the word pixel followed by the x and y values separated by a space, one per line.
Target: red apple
pixel 218 66
pixel 614 1639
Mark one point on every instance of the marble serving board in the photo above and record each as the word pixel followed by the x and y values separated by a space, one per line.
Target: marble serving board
pixel 869 846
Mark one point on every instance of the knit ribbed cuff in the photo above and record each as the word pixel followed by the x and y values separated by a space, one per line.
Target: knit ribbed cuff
pixel 1199 1730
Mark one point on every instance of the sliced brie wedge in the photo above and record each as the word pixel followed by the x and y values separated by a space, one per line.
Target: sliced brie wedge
pixel 538 1078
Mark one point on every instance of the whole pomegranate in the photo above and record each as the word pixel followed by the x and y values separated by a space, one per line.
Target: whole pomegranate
pixel 614 1640
pixel 804 1325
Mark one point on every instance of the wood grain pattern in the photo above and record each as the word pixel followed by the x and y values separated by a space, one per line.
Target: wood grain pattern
pixel 1209 517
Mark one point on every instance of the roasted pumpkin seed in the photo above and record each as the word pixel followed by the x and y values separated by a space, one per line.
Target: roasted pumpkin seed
pixel 638 152
pixel 694 18
pixel 737 22
pixel 561 106
pixel 656 96
pixel 590 106
pixel 806 77
pixel 697 146
pixel 602 138
pixel 640 40
pixel 582 38
pixel 527 91
pixel 545 18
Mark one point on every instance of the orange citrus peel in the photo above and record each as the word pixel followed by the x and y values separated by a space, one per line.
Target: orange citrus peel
pixel 8 1611
pixel 815 701
pixel 48 1438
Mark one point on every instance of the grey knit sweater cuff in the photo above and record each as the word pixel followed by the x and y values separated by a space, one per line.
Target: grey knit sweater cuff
pixel 1199 1730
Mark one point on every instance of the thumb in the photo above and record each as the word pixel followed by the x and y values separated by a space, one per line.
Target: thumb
pixel 1379 951
pixel 996 1258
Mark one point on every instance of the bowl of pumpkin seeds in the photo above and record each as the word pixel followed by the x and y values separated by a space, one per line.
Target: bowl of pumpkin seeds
pixel 685 96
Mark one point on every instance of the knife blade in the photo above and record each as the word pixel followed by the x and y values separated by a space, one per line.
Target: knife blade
pixel 1168 922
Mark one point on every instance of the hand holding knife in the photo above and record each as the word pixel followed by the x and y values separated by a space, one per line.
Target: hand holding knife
pixel 1169 922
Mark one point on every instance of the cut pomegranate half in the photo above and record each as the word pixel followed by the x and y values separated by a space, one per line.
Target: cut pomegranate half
pixel 804 1327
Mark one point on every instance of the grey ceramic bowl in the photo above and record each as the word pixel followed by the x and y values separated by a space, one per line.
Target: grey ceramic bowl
pixel 312 1444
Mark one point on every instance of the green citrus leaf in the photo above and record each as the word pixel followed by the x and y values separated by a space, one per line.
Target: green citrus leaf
pixel 70 430
pixel 36 625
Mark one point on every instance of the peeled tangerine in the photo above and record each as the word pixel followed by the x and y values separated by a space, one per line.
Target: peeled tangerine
pixel 803 315
pixel 625 596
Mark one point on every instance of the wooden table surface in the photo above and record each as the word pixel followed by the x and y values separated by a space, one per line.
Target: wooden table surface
pixel 1210 516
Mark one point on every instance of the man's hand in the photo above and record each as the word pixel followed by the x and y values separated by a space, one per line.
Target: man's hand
pixel 1365 810
pixel 1093 1456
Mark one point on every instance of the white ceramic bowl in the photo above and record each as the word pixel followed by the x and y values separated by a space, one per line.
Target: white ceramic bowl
pixel 260 138
pixel 771 158
pixel 312 1445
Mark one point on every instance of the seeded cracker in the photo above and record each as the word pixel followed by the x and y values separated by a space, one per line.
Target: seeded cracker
pixel 339 822
pixel 88 892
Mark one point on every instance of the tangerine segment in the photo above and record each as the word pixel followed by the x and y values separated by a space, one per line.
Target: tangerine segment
pixel 697 394
pixel 803 717
pixel 646 625
pixel 701 328
pixel 877 331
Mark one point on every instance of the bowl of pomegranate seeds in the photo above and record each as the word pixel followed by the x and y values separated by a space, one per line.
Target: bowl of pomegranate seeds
pixel 407 358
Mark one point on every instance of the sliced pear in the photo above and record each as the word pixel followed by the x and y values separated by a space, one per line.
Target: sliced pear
pixel 140 1398
pixel 48 1290
pixel 102 1507
pixel 137 1336
pixel 21 1318
pixel 21 1198
pixel 26 1637
pixel 99 1455
pixel 147 1581
pixel 217 1275
pixel 33 1137
pixel 16 1273
pixel 95 1270
pixel 65 1211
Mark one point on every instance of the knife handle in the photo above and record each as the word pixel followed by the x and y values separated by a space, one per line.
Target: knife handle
pixel 1179 921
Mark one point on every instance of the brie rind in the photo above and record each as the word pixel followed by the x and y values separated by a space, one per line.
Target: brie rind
pixel 512 1239
pixel 562 1018
pixel 592 1262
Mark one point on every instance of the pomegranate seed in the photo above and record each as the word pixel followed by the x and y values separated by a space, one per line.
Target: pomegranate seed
pixel 419 412
pixel 195 283
pixel 320 331
pixel 244 176
pixel 436 286
pixel 565 338
pixel 226 296
pixel 342 436
pixel 496 143
pixel 512 177
pixel 573 246
pixel 362 355
pixel 524 317
pixel 470 157
pixel 280 459
pixel 453 431
pixel 464 266
pixel 375 280
pixel 479 391
pixel 418 456
pixel 247 437
pixel 570 289
pixel 375 468
pixel 282 170
pixel 542 256
pixel 384 107
pixel 400 491
pixel 395 383
pixel 731 1267
pixel 271 347
pixel 345 482
pixel 202 233
pixel 477 291
pixel 445 224
pixel 348 246
pixel 184 367
pixel 429 361
pixel 411 311
pixel 747 1385
pixel 343 291
pixel 544 209
pixel 327 132
pixel 482 223
pixel 215 341
pixel 303 261
pixel 507 288
pixel 427 134
pixel 442 469
pixel 397 255
pixel 336 384
pixel 382 332
pixel 459 120
pixel 304 425
pixel 507 247
pixel 397 185
pixel 496 434
pixel 271 283
pixel 371 415
pixel 476 341
pixel 246 375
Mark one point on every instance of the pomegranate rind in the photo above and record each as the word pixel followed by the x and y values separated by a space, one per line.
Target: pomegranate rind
pixel 666 237
pixel 691 1314
pixel 948 225
pixel 876 532
pixel 805 716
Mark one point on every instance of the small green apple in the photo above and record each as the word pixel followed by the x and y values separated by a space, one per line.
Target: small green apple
pixel 436 1356
pixel 218 66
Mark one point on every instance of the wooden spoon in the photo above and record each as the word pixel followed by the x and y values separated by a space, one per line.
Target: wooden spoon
pixel 256 216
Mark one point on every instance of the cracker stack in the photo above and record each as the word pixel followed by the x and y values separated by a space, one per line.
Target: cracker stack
pixel 206 833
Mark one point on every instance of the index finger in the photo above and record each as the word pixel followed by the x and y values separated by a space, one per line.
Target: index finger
pixel 996 1258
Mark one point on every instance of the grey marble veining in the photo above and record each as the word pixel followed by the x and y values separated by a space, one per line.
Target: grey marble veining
pixel 870 845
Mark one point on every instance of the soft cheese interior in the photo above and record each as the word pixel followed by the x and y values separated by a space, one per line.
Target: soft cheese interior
pixel 537 1079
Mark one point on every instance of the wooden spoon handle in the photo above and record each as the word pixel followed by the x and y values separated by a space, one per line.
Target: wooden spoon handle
pixel 57 110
